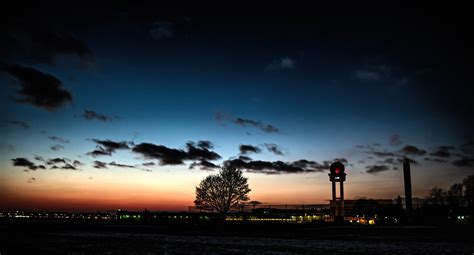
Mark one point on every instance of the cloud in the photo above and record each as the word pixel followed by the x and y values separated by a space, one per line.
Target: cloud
pixel 277 167
pixel 77 163
pixel 342 160
pixel 22 124
pixel 395 140
pixel 204 165
pixel 107 147
pixel 31 180
pixel 149 164
pixel 382 154
pixel 100 164
pixel 205 144
pixel 54 161
pixel 56 147
pixel 438 160
pixel 390 161
pixel 274 148
pixel 413 150
pixel 23 162
pixel 170 156
pixel 442 152
pixel 464 162
pixel 284 63
pixel 44 45
pixel 201 152
pixel 39 158
pixel 38 88
pixel 99 153
pixel 120 165
pixel 162 30
pixel 412 161
pixel 247 148
pixel 68 167
pixel 245 158
pixel 92 115
pixel 58 139
pixel 167 156
pixel 267 128
pixel 468 148
pixel 372 169
pixel 367 75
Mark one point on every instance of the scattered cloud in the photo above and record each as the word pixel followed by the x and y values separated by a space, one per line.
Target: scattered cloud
pixel 277 167
pixel 274 148
pixel 437 160
pixel 39 158
pixel 395 140
pixel 284 63
pixel 162 30
pixel 107 147
pixel 247 148
pixel 170 156
pixel 245 158
pixel 267 128
pixel 464 162
pixel 92 115
pixel 54 161
pixel 468 148
pixel 68 167
pixel 23 162
pixel 120 165
pixel 100 165
pixel 37 88
pixel 31 180
pixel 382 154
pixel 204 144
pixel 44 44
pixel 413 150
pixel 58 139
pixel 372 169
pixel 367 75
pixel 373 73
pixel 200 152
pixel 77 163
pixel 22 124
pixel 412 161
pixel 99 153
pixel 56 147
pixel 442 151
pixel 204 165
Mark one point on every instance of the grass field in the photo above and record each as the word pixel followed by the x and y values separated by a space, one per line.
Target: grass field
pixel 27 237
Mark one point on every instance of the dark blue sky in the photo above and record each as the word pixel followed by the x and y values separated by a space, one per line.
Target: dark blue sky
pixel 367 88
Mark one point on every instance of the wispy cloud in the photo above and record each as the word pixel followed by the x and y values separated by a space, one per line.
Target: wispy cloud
pixel 22 124
pixel 284 63
pixel 92 115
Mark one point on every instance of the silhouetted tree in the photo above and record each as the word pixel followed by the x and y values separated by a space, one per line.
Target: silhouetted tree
pixel 222 191
pixel 454 196
pixel 437 196
pixel 468 184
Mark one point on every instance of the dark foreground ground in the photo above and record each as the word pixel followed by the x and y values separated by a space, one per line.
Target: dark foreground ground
pixel 30 237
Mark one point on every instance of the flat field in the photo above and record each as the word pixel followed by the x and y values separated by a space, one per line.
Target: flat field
pixel 54 237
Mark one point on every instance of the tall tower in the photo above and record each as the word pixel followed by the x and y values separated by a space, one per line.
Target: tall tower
pixel 407 178
pixel 337 174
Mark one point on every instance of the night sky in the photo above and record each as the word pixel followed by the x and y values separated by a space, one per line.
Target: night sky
pixel 130 106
